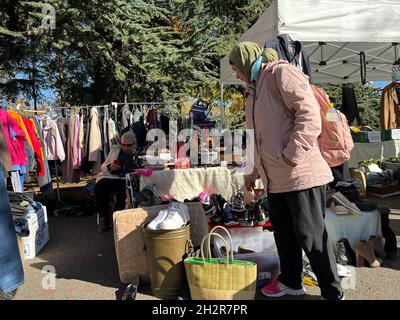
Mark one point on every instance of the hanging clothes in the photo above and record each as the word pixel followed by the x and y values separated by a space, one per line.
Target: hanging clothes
pixel 53 145
pixel 113 137
pixel 76 148
pixel 389 107
pixel 11 270
pixel 19 120
pixel 81 135
pixel 126 117
pixel 45 182
pixel 15 139
pixel 350 107
pixel 136 115
pixel 291 51
pixel 37 147
pixel 5 159
pixel 152 118
pixel 106 143
pixel 95 143
pixel 164 123
pixel 140 131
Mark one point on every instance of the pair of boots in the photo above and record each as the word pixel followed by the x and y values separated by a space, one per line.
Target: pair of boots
pixel 370 250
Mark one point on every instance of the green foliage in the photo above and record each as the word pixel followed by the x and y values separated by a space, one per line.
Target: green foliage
pixel 367 97
pixel 101 51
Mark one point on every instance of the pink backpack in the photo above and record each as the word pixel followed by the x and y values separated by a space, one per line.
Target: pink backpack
pixel 335 141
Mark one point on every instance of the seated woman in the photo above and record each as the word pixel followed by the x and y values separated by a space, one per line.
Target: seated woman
pixel 110 179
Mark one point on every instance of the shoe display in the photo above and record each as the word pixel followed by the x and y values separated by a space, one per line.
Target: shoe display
pixel 341 200
pixel 238 206
pixel 246 221
pixel 338 209
pixel 228 217
pixel 218 202
pixel 365 252
pixel 277 289
pixel 177 217
pixel 345 254
pixel 155 223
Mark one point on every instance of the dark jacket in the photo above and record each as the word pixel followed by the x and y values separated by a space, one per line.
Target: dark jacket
pixel 291 51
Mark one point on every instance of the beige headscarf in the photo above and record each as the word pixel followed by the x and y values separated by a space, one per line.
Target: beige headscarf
pixel 244 54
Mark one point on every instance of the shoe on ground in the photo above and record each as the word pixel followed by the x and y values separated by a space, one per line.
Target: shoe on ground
pixel 155 223
pixel 277 289
pixel 102 225
pixel 177 217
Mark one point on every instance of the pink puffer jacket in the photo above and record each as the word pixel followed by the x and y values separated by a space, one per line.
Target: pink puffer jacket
pixel 292 131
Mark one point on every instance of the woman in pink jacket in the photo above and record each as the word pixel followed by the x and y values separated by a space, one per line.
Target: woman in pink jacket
pixel 285 117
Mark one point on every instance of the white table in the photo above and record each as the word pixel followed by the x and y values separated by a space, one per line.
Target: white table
pixel 353 228
pixel 182 184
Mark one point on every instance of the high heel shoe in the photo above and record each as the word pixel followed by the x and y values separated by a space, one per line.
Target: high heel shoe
pixel 377 245
pixel 364 251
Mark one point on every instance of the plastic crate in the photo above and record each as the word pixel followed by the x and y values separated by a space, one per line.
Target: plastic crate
pixel 360 137
pixel 390 134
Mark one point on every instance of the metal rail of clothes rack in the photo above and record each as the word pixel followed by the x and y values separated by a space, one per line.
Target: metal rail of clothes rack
pixel 116 104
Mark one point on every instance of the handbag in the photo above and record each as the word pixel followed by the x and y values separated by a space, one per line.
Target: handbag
pixel 220 279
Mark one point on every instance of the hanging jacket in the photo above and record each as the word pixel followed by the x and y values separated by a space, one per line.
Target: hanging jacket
pixel 126 117
pixel 52 141
pixel 95 146
pixel 349 106
pixel 15 139
pixel 18 119
pixel 45 182
pixel 291 51
pixel 152 119
pixel 5 159
pixel 389 108
pixel 37 147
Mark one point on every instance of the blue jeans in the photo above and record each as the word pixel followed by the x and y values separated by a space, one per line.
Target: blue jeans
pixel 11 271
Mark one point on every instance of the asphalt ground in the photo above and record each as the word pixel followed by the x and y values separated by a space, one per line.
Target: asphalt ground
pixel 86 268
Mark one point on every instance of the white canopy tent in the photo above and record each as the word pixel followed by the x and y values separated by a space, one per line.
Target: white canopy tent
pixel 333 32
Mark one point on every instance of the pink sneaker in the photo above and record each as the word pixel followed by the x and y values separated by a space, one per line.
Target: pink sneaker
pixel 278 289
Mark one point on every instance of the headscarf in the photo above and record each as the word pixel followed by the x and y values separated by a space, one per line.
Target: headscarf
pixel 247 55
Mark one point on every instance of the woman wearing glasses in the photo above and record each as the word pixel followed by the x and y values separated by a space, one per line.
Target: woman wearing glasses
pixel 120 160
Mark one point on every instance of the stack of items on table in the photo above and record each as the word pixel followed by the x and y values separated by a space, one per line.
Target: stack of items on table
pixel 380 179
pixel 30 221
pixel 346 199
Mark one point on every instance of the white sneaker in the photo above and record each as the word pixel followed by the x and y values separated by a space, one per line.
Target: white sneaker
pixel 182 207
pixel 175 219
pixel 155 223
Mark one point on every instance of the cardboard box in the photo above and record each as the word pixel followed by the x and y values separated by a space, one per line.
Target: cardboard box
pixel 38 227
